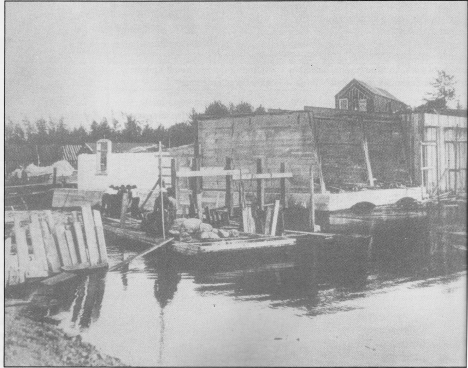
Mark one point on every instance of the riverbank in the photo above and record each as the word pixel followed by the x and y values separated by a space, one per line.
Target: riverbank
pixel 33 343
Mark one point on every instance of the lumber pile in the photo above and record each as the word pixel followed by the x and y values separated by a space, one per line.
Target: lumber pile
pixel 39 246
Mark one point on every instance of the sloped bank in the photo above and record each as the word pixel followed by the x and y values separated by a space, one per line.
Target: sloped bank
pixel 33 343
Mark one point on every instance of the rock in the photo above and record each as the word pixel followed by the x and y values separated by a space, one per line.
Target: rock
pixel 234 233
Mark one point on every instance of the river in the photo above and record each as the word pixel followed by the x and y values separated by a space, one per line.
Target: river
pixel 403 305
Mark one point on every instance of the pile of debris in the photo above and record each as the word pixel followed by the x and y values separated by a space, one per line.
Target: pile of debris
pixel 194 229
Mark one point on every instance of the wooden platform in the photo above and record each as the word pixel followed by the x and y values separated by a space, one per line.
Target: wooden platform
pixel 243 242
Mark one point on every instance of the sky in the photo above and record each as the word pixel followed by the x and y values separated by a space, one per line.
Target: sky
pixel 157 61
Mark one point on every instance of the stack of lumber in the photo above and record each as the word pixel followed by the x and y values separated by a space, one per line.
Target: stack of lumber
pixel 43 244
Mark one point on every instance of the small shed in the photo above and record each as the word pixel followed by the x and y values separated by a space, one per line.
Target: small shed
pixel 360 96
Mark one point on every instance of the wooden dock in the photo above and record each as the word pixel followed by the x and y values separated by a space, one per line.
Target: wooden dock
pixel 42 244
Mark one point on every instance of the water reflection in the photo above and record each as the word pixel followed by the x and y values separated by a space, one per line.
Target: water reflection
pixel 309 280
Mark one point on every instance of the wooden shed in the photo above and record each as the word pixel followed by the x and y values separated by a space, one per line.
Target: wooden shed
pixel 360 96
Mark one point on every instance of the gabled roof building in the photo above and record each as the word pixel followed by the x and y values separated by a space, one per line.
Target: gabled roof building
pixel 361 96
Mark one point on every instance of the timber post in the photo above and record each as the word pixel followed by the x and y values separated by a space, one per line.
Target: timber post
pixel 54 178
pixel 161 196
pixel 311 201
pixel 260 185
pixel 228 198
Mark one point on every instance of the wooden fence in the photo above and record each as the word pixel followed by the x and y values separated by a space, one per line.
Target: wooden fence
pixel 39 247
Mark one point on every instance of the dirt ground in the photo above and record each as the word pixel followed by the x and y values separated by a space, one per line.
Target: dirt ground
pixel 33 343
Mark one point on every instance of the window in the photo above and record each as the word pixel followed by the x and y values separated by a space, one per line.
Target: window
pixel 103 148
pixel 343 104
pixel 363 105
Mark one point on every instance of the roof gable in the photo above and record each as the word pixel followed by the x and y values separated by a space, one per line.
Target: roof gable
pixel 374 90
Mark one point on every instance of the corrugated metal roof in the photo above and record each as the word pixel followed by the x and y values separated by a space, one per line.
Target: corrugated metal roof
pixel 70 152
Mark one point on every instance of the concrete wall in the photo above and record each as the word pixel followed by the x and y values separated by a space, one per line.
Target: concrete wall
pixel 140 169
pixel 294 137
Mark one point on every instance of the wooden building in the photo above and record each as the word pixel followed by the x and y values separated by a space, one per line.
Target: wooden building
pixel 360 96
pixel 347 149
pixel 437 149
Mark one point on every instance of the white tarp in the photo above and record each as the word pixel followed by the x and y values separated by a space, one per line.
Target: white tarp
pixel 63 169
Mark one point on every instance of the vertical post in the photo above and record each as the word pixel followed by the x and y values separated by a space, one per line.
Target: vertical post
pixel 368 165
pixel 456 159
pixel 282 198
pixel 161 196
pixel 198 190
pixel 260 185
pixel 228 198
pixel 54 180
pixel 283 187
pixel 311 201
pixel 421 158
pixel 175 179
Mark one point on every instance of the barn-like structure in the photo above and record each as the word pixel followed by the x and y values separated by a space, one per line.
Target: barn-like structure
pixel 361 96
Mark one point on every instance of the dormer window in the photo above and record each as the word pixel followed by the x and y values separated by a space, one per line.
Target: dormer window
pixel 343 104
pixel 103 149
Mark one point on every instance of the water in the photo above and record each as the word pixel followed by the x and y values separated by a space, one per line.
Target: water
pixel 403 305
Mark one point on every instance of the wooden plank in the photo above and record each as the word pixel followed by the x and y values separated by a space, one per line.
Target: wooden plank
pixel 21 250
pixel 53 257
pixel 90 234
pixel 262 176
pixel 68 197
pixel 311 200
pixel 365 147
pixel 268 217
pixel 205 173
pixel 150 193
pixel 228 198
pixel 80 242
pixel 260 185
pixel 130 259
pixel 62 246
pixel 274 221
pixel 71 247
pixel 9 261
pixel 283 186
pixel 100 236
pixel 38 241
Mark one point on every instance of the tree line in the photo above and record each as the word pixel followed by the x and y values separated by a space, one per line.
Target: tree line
pixel 131 130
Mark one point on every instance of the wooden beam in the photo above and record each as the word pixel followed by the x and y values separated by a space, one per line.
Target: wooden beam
pixel 100 236
pixel 201 173
pixel 62 246
pixel 53 257
pixel 71 247
pixel 21 250
pixel 80 241
pixel 161 194
pixel 90 235
pixel 274 221
pixel 262 176
pixel 260 185
pixel 38 241
pixel 311 200
pixel 129 259
pixel 150 193
pixel 365 147
pixel 283 186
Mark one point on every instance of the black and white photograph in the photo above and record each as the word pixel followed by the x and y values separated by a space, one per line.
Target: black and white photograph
pixel 235 183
